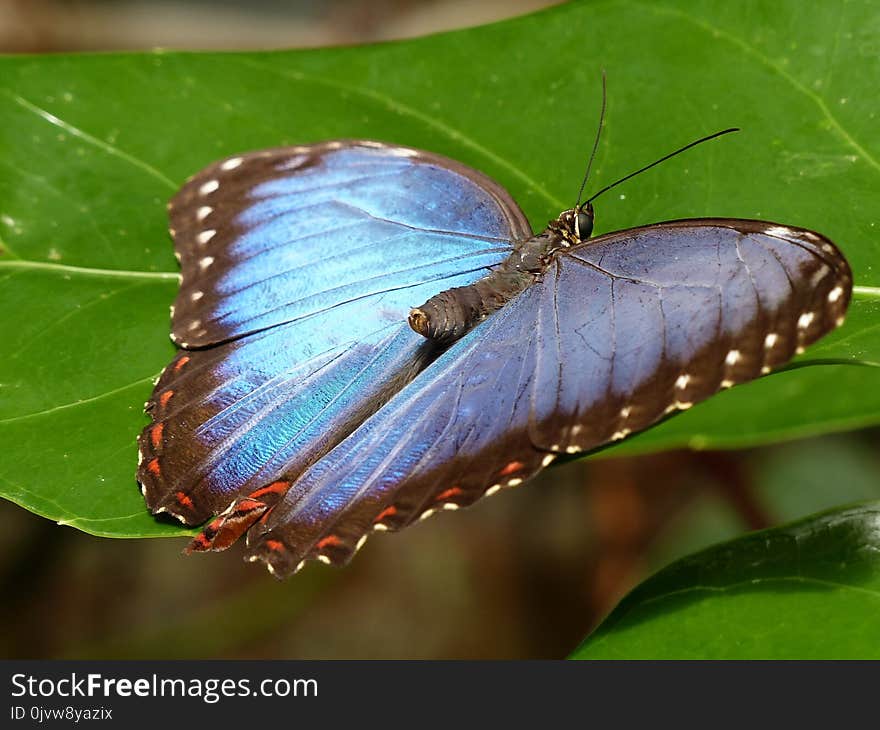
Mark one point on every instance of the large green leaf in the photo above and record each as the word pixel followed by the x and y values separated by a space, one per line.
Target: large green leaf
pixel 807 590
pixel 92 146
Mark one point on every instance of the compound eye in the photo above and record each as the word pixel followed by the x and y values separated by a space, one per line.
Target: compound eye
pixel 583 226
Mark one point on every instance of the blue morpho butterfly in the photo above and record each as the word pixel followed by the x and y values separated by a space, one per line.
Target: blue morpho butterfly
pixel 304 410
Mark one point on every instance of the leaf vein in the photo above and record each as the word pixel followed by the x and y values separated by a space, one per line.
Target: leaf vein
pixel 429 121
pixel 773 66
pixel 94 141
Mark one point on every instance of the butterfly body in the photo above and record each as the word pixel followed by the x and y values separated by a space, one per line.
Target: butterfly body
pixel 304 412
pixel 450 314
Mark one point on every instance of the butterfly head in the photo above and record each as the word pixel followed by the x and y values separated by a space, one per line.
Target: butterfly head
pixel 576 224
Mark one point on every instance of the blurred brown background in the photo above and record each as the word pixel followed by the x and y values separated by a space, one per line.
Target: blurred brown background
pixel 525 574
pixel 46 26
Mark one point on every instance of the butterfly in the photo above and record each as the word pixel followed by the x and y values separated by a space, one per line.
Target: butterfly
pixel 311 404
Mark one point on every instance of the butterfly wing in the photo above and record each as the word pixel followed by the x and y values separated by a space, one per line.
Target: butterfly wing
pixel 677 312
pixel 299 266
pixel 617 333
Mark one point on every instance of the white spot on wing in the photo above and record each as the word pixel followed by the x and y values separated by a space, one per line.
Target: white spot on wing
pixel 835 294
pixel 805 320
pixel 196 295
pixel 732 357
pixel 548 459
pixel 209 187
pixel 770 340
pixel 401 152
pixel 682 381
pixel 204 212
pixel 426 514
pixel 206 236
pixel 206 262
pixel 493 489
pixel 451 506
pixel 778 231
pixel 514 482
pixel 293 162
pixel 324 559
pixel 818 275
pixel 231 163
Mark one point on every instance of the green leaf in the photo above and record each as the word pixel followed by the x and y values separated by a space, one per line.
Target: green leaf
pixel 91 147
pixel 788 482
pixel 807 590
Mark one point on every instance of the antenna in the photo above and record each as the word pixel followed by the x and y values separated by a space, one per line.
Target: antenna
pixel 662 159
pixel 596 143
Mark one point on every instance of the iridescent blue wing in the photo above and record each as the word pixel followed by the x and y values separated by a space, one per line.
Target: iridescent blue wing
pixel 299 266
pixel 619 331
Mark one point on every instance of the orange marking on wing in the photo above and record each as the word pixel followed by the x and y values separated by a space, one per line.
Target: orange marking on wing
pixel 180 363
pixel 183 498
pixel 275 545
pixel 265 517
pixel 153 467
pixel 165 397
pixel 451 492
pixel 330 541
pixel 273 488
pixel 202 540
pixel 215 524
pixel 249 505
pixel 512 467
pixel 387 512
pixel 156 435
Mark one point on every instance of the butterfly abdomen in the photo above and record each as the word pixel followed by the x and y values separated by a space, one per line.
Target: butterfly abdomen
pixel 451 314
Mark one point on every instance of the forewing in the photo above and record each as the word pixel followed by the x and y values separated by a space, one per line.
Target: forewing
pixel 299 268
pixel 618 332
pixel 278 235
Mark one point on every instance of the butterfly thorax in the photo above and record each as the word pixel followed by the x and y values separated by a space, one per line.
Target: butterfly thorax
pixel 451 314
